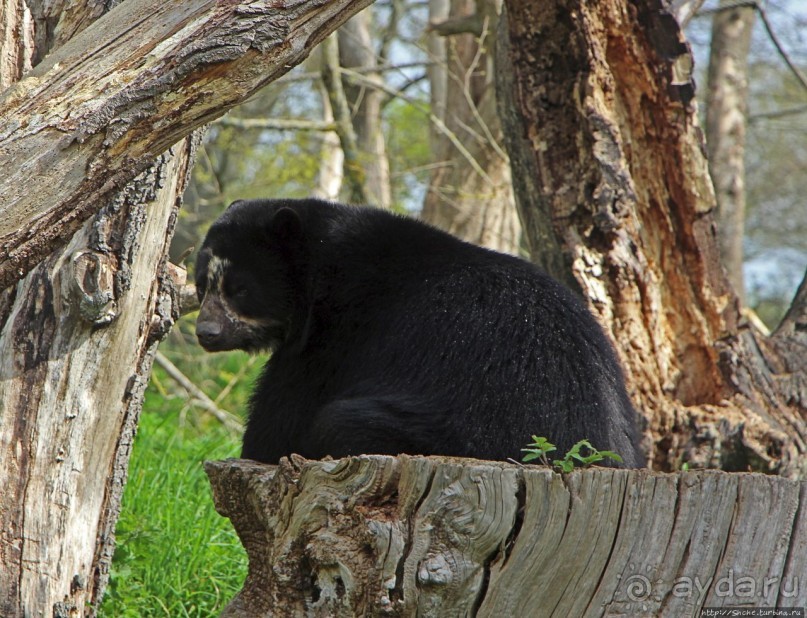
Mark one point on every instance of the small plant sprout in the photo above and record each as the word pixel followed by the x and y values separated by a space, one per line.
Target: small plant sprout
pixel 538 450
pixel 576 456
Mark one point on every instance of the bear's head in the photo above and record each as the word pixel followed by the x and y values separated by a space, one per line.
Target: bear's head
pixel 247 277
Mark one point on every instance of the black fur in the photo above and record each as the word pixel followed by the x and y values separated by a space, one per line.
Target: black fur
pixel 390 336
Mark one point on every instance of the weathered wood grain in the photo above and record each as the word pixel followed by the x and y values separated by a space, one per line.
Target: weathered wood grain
pixel 75 356
pixel 416 536
pixel 95 113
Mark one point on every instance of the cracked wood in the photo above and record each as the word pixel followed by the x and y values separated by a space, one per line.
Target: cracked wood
pixel 407 536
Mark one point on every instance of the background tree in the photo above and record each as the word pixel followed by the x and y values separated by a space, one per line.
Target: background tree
pixel 726 112
pixel 357 53
pixel 776 222
pixel 470 193
pixel 771 239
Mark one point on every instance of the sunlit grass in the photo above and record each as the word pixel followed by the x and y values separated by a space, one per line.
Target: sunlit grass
pixel 175 555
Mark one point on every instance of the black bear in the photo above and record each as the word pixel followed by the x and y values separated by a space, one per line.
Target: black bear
pixel 390 336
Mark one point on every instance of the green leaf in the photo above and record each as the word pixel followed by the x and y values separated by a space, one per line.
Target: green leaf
pixel 565 465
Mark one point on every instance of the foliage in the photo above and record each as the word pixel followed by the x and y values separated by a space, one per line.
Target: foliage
pixel 175 555
pixel 567 464
pixel 407 130
pixel 541 447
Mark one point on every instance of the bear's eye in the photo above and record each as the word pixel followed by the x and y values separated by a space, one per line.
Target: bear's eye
pixel 237 289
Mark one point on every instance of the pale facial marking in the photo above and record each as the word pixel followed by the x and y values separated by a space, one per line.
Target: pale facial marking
pixel 215 285
pixel 215 273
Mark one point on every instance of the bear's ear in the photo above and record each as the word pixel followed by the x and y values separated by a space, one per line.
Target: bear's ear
pixel 285 225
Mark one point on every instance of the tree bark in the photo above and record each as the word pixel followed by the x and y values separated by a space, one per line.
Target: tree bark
pixel 354 171
pixel 414 536
pixel 63 495
pixel 612 161
pixel 331 171
pixel 16 41
pixel 77 341
pixel 157 71
pixel 726 112
pixel 475 204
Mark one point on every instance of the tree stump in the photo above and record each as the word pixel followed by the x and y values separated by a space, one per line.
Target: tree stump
pixel 434 536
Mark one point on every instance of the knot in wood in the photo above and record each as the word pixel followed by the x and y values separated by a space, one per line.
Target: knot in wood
pixel 435 571
pixel 93 287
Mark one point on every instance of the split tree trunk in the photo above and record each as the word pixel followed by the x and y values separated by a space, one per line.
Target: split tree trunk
pixel 77 342
pixel 77 337
pixel 414 536
pixel 602 129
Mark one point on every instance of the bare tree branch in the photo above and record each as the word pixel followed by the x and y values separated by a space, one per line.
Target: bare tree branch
pixel 438 123
pixel 730 6
pixel 277 124
pixel 780 113
pixel 203 401
pixel 344 126
pixel 465 24
pixel 684 10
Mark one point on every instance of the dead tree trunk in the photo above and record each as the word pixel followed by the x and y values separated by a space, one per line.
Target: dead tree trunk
pixel 16 41
pixel 614 190
pixel 413 536
pixel 76 342
pixel 78 338
pixel 78 333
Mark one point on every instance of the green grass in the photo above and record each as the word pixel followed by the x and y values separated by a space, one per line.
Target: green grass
pixel 175 555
